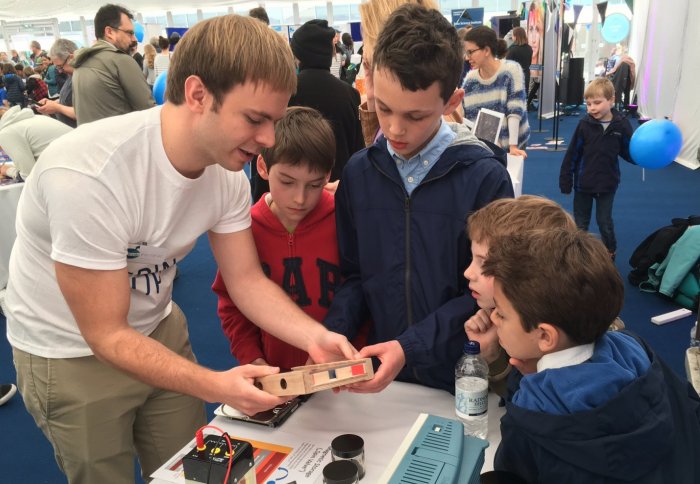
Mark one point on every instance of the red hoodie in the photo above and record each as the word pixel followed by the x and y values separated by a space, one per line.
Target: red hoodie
pixel 304 263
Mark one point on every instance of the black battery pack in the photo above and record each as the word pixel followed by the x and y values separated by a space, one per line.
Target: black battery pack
pixel 210 465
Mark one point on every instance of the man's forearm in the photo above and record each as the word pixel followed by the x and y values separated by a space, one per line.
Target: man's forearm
pixel 152 363
pixel 264 303
pixel 276 313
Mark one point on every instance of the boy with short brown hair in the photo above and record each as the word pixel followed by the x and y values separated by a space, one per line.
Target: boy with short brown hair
pixel 402 205
pixel 502 218
pixel 591 405
pixel 591 166
pixel 294 230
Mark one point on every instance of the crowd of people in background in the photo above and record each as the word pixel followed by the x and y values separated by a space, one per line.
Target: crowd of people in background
pixel 27 81
pixel 37 80
pixel 375 187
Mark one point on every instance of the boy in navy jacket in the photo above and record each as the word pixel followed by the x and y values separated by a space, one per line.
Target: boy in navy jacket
pixel 402 206
pixel 591 166
pixel 591 406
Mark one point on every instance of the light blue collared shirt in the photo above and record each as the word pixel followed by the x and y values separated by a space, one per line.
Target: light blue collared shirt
pixel 414 170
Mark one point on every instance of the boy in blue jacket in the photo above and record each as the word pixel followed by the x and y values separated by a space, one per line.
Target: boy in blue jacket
pixel 591 166
pixel 402 206
pixel 591 406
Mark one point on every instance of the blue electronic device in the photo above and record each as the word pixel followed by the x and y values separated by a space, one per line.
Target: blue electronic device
pixel 436 451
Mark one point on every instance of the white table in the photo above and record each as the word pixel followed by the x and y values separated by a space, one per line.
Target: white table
pixel 382 420
pixel 9 198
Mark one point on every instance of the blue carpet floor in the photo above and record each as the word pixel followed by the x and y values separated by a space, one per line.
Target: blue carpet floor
pixel 641 206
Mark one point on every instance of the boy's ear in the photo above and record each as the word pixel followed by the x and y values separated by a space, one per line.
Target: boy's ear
pixel 549 338
pixel 262 168
pixel 454 102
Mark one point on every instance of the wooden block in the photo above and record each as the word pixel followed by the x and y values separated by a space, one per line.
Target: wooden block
pixel 313 378
pixel 289 383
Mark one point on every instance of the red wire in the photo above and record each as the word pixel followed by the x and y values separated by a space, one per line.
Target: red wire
pixel 199 437
pixel 199 434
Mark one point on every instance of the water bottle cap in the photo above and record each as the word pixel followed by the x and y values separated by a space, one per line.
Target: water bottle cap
pixel 472 348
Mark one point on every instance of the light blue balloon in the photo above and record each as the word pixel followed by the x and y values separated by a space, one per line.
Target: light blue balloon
pixel 616 28
pixel 139 31
pixel 656 143
pixel 159 88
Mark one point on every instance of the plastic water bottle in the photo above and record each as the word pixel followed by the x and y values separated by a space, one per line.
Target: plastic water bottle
pixel 694 342
pixel 472 391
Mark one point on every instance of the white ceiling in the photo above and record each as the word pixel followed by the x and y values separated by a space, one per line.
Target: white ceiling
pixel 15 10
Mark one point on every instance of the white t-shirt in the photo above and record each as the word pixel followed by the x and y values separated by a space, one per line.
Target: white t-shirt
pixel 105 197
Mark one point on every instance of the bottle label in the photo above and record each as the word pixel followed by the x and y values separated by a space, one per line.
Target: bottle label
pixel 471 397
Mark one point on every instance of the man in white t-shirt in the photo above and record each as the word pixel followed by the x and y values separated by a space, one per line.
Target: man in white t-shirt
pixel 102 352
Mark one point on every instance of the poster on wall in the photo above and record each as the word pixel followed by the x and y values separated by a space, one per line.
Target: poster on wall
pixel 535 36
pixel 462 17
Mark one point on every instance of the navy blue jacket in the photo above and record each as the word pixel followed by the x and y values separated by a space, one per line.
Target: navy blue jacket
pixel 403 257
pixel 591 164
pixel 646 433
pixel 15 90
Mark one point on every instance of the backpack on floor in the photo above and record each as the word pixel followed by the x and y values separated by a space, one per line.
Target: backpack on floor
pixel 655 247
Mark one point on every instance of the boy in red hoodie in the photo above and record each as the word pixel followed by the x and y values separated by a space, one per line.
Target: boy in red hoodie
pixel 294 230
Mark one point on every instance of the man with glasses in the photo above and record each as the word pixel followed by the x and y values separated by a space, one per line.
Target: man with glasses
pixel 107 82
pixel 62 55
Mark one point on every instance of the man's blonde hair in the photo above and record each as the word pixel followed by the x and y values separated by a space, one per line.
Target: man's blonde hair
pixel 374 14
pixel 512 216
pixel 227 51
pixel 600 86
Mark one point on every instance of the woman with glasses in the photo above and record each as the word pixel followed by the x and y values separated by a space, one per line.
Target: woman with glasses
pixel 496 84
pixel 62 54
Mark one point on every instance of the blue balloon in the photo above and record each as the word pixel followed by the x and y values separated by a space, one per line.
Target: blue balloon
pixel 616 28
pixel 138 31
pixel 159 88
pixel 656 143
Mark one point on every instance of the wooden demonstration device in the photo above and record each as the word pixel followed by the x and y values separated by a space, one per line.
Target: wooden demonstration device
pixel 313 378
